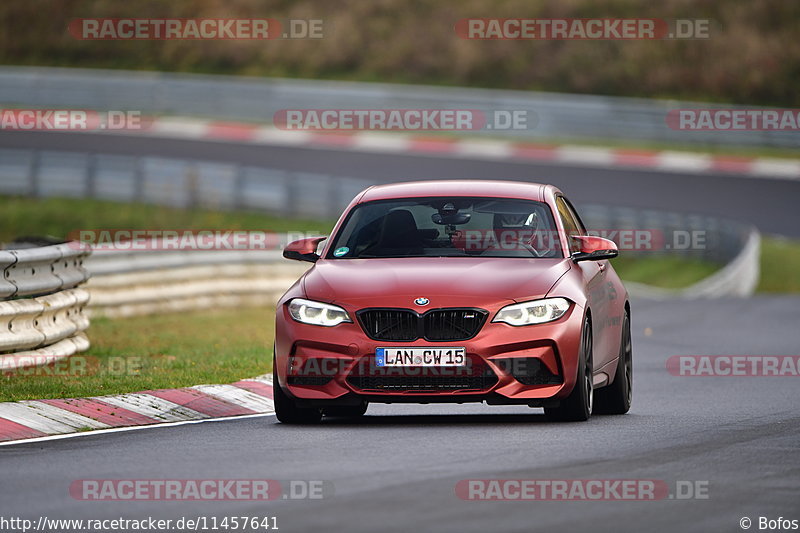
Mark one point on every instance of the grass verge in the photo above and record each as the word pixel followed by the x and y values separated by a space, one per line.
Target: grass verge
pixel 668 272
pixel 57 217
pixel 780 265
pixel 155 352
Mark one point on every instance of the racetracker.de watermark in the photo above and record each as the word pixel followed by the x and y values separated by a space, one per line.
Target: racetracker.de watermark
pixel 580 490
pixel 734 119
pixel 194 29
pixel 734 365
pixel 147 240
pixel 626 239
pixel 70 120
pixel 546 29
pixel 403 119
pixel 199 489
pixel 56 366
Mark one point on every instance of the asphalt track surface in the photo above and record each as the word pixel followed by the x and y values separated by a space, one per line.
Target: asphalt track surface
pixel 770 204
pixel 396 469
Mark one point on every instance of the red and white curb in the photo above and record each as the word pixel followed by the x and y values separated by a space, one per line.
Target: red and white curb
pixel 377 142
pixel 32 419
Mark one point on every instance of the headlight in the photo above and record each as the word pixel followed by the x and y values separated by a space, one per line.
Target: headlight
pixel 535 312
pixel 317 313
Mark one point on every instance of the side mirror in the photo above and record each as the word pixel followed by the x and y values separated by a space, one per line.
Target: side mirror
pixel 594 248
pixel 303 250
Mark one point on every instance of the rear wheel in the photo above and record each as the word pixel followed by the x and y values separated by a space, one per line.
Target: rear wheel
pixel 286 409
pixel 615 399
pixel 577 407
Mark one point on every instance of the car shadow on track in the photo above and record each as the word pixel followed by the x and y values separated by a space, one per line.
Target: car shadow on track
pixel 445 420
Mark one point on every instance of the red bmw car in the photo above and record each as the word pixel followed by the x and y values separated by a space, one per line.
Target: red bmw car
pixel 454 291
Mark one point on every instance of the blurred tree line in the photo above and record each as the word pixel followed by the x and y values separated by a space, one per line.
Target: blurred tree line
pixel 752 57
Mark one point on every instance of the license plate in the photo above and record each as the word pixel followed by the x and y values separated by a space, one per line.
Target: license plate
pixel 421 357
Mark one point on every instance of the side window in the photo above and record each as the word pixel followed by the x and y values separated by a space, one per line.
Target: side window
pixel 570 220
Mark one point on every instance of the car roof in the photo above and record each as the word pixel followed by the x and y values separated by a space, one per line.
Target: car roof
pixel 490 188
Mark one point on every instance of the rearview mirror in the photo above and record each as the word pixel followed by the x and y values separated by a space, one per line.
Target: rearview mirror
pixel 303 250
pixel 452 219
pixel 594 248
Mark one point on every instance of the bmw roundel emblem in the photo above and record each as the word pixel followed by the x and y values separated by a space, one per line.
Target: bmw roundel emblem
pixel 422 301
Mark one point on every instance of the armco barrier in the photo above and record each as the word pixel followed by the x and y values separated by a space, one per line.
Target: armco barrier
pixel 738 278
pixel 551 115
pixel 33 270
pixel 175 183
pixel 45 320
pixel 128 283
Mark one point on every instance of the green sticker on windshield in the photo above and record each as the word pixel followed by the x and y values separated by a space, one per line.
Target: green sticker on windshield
pixel 339 252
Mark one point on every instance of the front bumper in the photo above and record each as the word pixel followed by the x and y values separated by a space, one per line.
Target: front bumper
pixel 516 365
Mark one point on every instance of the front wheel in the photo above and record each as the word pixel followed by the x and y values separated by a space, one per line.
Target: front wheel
pixel 577 407
pixel 286 409
pixel 615 399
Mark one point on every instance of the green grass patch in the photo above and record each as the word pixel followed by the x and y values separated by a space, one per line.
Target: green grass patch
pixel 669 272
pixel 155 352
pixel 58 217
pixel 780 265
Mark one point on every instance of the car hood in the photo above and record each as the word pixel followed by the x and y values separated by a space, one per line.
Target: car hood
pixel 460 281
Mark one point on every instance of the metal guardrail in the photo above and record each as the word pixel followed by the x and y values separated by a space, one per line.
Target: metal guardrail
pixel 42 270
pixel 553 115
pixel 42 321
pixel 45 320
pixel 149 282
pixel 175 182
pixel 738 278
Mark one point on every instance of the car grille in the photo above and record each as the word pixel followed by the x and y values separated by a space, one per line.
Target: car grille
pixel 390 324
pixel 476 376
pixel 434 325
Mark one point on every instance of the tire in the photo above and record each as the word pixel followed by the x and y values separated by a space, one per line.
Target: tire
pixel 286 409
pixel 577 407
pixel 615 399
pixel 348 411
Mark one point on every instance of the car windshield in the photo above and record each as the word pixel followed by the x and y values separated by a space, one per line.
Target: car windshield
pixel 447 227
